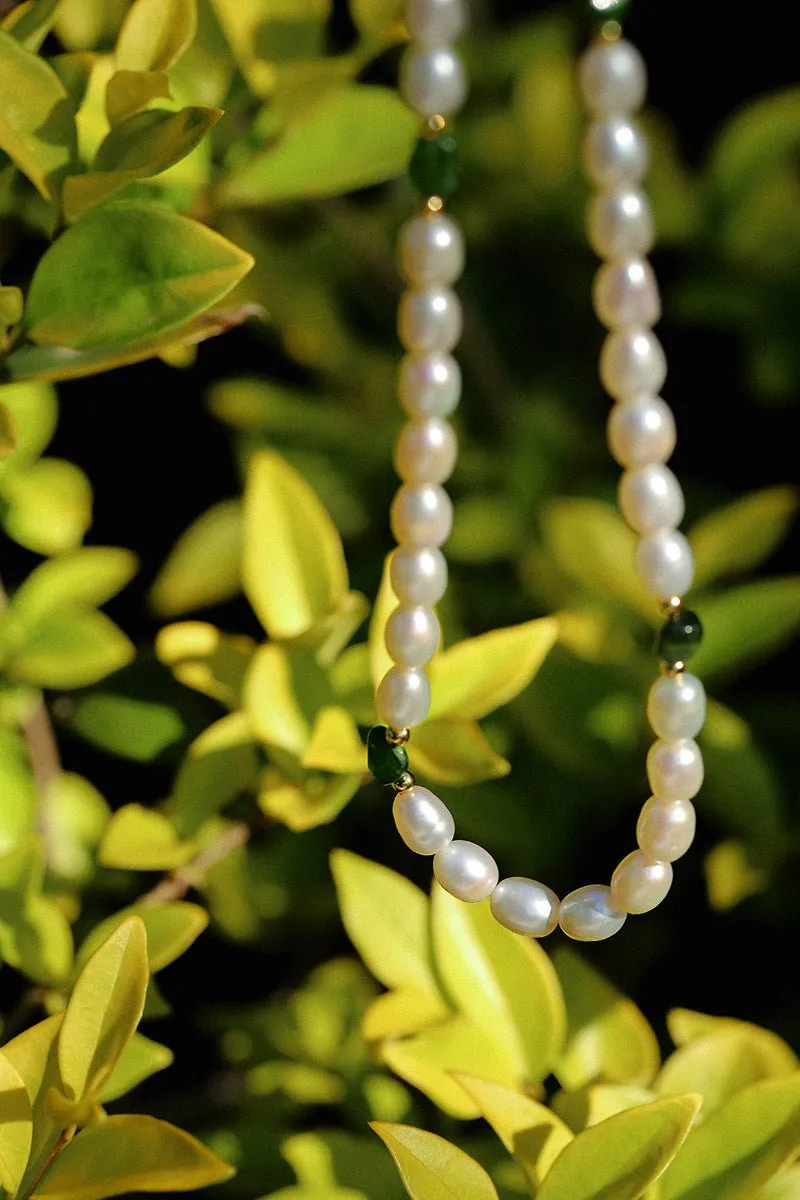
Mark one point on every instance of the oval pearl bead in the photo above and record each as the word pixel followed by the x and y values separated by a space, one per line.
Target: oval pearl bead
pixel 620 223
pixel 525 906
pixel 639 883
pixel 432 80
pixel 626 293
pixel 650 498
pixel 641 432
pixel 612 78
pixel 435 22
pixel 588 915
pixel 424 823
pixel 418 574
pixel 426 451
pixel 403 698
pixel 676 706
pixel 675 769
pixel 666 828
pixel 466 871
pixel 665 563
pixel 412 635
pixel 429 385
pixel 632 361
pixel 429 319
pixel 614 153
pixel 421 515
pixel 430 249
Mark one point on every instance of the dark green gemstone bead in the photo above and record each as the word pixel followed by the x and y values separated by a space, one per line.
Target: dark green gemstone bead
pixel 433 169
pixel 386 762
pixel 680 636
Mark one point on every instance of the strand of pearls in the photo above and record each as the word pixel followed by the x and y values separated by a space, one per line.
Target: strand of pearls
pixel 641 435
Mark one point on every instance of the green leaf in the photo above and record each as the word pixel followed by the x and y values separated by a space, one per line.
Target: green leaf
pixel 334 744
pixel 34 1056
pixel 528 1130
pixel 171 930
pixel 454 751
pixel 741 535
pixel 121 724
pixel 12 305
pixel 131 1154
pixel 219 765
pixel 619 1158
pixel 205 659
pixel 304 804
pixel 164 270
pixel 8 432
pixel 129 92
pixel 784 1187
pixel 747 624
pixel 503 982
pixel 89 576
pixel 608 1038
pixel 141 839
pixel 31 22
pixel 686 1026
pixel 725 1062
pixel 294 570
pixel 69 649
pixel 140 1059
pixel 155 34
pixel 385 604
pixel 44 946
pixel 731 876
pixel 400 1012
pixel 271 701
pixel 741 1146
pixel 16 1126
pixel 752 141
pixel 37 126
pixel 379 21
pixel 34 411
pixel 741 787
pixel 204 565
pixel 594 1103
pixel 353 138
pixel 431 1168
pixel 49 506
pixel 104 1009
pixel 77 814
pixel 18 807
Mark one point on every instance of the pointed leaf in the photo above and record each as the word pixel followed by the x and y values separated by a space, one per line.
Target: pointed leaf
pixel 49 506
pixel 686 1026
pixel 140 1059
pixel 12 306
pixel 219 765
pixel 401 1012
pixel 385 604
pixel 722 1064
pixel 8 431
pixel 155 34
pixel 747 624
pixel 785 1186
pixel 141 839
pixel 741 535
pixel 70 649
pixel 431 1168
pixel 591 1104
pixel 203 658
pixel 300 805
pixel 34 1055
pixel 275 713
pixel 16 1126
pixel 34 411
pixel 454 751
pixel 204 565
pixel 37 127
pixel 89 576
pixel 334 744
pixel 129 92
pixel 31 21
pixel 171 930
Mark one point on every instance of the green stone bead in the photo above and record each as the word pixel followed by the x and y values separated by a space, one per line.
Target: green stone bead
pixel 433 169
pixel 385 761
pixel 680 636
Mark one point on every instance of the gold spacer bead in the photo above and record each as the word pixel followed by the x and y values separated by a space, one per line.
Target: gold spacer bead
pixel 611 31
pixel 405 782
pixel 671 670
pixel 397 737
pixel 434 204
pixel 672 606
pixel 434 126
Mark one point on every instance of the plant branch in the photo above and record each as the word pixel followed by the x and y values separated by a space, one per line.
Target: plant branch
pixel 63 1139
pixel 175 885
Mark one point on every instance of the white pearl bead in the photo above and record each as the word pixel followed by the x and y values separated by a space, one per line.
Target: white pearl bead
pixel 426 451
pixel 403 698
pixel 435 22
pixel 466 871
pixel 429 319
pixel 429 385
pixel 676 706
pixel 675 769
pixel 632 361
pixel 641 432
pixel 412 635
pixel 613 78
pixel 421 515
pixel 614 153
pixel 418 574
pixel 588 914
pixel 650 498
pixel 666 828
pixel 620 223
pixel 639 883
pixel 525 906
pixel 424 823
pixel 665 563
pixel 626 293
pixel 430 249
pixel 432 80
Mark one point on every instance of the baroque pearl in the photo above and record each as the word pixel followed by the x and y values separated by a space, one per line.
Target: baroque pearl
pixel 466 871
pixel 525 906
pixel 435 22
pixel 423 821
pixel 432 80
pixel 639 883
pixel 650 498
pixel 641 432
pixel 421 515
pixel 426 451
pixel 666 828
pixel 676 706
pixel 418 575
pixel 626 293
pixel 403 697
pixel 589 915
pixel 412 635
pixel 430 249
pixel 614 153
pixel 632 362
pixel 612 78
pixel 429 385
pixel 429 319
pixel 665 563
pixel 675 769
pixel 619 223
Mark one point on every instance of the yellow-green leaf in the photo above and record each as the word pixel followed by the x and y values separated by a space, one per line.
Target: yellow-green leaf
pixel 219 765
pixel 401 1012
pixel 18 810
pixel 31 21
pixel 12 304
pixel 741 1146
pixel 141 839
pixel 77 814
pixel 49 506
pixel 608 1038
pixel 140 1059
pixel 155 34
pixel 591 1104
pixel 454 751
pixel 131 1154
pixel 294 568
pixel 686 1026
pixel 34 1055
pixel 431 1168
pixel 271 703
pixel 89 576
pixel 16 1126
pixel 334 744
pixel 205 659
pixel 619 1158
pixel 476 676
pixel 741 535
pixel 528 1130
pixel 204 565
pixel 34 411
pixel 747 623
pixel 385 604
pixel 70 649
pixel 171 929
pixel 503 982
pixel 8 432
pixel 304 804
pixel 731 876
pixel 129 92
pixel 723 1063
pixel 37 127
pixel 785 1186
pixel 104 1009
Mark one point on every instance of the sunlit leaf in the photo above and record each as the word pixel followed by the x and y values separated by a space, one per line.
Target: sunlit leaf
pixel 49 506
pixel 34 411
pixel 18 809
pixel 747 623
pixel 686 1026
pixel 171 929
pixel 271 702
pixel 130 92
pixel 723 1063
pixel 385 604
pixel 155 34
pixel 34 1056
pixel 454 751
pixel 431 1168
pixel 77 814
pixel 401 1012
pixel 37 127
pixel 593 1103
pixel 12 304
pixel 219 765
pixel 204 658
pixel 741 785
pixel 785 1186
pixel 334 744
pixel 730 875
pixel 204 565
pixel 89 576
pixel 141 839
pixel 16 1126
pixel 741 535
pixel 31 21
pixel 68 649
pixel 127 726
pixel 140 1059
pixel 8 432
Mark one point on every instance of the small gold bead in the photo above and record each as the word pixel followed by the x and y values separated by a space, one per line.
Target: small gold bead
pixel 397 737
pixel 434 204
pixel 611 31
pixel 405 782
pixel 434 126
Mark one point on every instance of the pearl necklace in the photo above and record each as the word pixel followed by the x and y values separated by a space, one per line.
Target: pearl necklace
pixel 641 437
